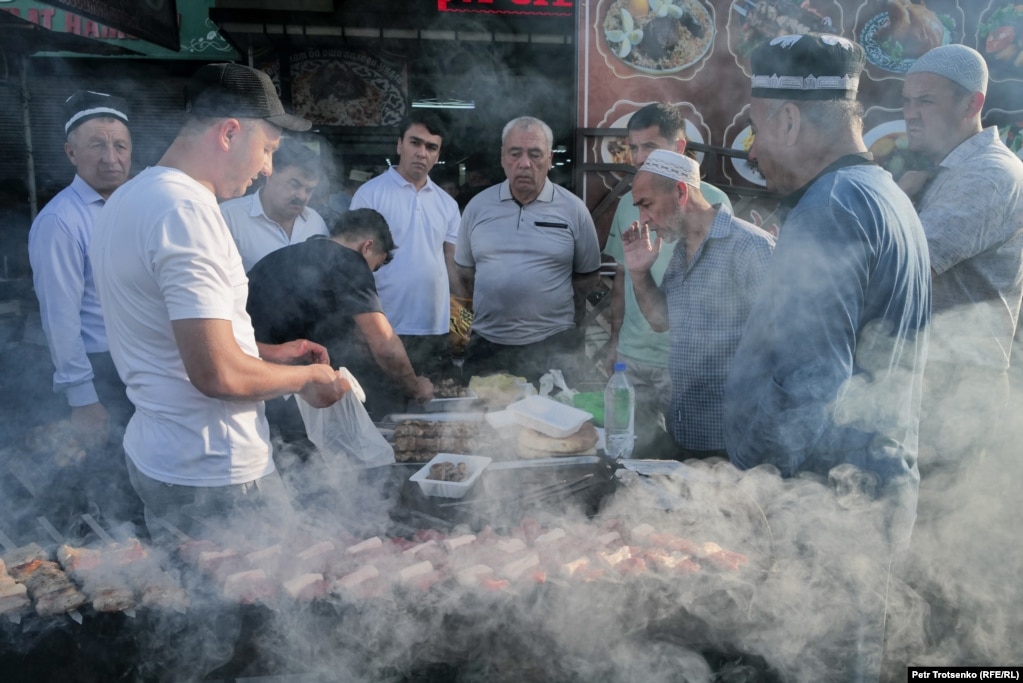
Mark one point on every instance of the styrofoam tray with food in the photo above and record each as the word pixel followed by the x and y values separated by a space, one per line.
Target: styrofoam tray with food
pixel 450 475
pixel 548 416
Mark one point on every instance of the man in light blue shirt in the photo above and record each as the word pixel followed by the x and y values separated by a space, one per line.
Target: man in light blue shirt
pixel 99 147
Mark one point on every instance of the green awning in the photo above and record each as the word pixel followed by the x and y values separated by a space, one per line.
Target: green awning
pixel 200 38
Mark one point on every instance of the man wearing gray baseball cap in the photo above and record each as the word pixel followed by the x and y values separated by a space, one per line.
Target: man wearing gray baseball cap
pixel 174 291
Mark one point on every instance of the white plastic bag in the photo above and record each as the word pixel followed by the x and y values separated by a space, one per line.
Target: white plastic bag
pixel 555 379
pixel 345 434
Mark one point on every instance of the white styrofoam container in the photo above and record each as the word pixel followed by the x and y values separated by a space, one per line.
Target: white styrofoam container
pixel 475 464
pixel 548 416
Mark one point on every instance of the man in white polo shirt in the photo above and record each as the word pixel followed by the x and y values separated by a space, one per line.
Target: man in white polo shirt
pixel 415 290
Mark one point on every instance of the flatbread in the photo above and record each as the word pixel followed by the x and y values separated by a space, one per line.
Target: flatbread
pixel 531 453
pixel 574 444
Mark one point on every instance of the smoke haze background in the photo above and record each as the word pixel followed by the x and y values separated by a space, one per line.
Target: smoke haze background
pixel 810 554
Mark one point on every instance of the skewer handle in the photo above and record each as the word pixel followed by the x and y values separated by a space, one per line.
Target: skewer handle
pixel 95 526
pixel 50 529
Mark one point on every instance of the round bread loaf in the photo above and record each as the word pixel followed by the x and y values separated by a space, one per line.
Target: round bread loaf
pixel 584 439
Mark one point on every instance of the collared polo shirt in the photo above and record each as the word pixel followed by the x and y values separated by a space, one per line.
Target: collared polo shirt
pixel 524 258
pixel 972 213
pixel 414 288
pixel 636 339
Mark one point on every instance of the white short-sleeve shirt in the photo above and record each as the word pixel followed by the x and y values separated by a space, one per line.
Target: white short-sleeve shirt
pixel 414 289
pixel 161 252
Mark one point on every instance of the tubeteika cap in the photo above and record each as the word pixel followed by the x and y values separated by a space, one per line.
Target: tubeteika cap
pixel 811 66
pixel 86 104
pixel 238 91
pixel 673 165
pixel 958 63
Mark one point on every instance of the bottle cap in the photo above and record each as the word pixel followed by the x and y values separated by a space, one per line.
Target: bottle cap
pixel 619 367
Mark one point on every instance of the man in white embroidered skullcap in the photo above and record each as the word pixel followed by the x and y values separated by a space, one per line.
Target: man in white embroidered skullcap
pixel 971 207
pixel 705 295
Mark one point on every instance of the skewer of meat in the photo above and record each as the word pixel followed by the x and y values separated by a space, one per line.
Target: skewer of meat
pixel 51 590
pixel 13 595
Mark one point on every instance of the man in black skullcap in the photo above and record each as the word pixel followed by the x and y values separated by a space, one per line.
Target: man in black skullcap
pixel 826 380
pixel 99 147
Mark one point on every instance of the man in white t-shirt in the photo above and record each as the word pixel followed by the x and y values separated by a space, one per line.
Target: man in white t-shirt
pixel 415 289
pixel 278 215
pixel 173 290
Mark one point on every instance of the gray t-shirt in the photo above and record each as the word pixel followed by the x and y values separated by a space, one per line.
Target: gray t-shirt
pixel 972 213
pixel 524 257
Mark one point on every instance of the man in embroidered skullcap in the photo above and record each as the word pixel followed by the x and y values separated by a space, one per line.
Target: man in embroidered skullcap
pixel 971 207
pixel 826 379
pixel 705 295
pixel 98 145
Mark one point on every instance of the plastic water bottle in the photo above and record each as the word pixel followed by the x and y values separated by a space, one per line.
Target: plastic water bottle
pixel 619 414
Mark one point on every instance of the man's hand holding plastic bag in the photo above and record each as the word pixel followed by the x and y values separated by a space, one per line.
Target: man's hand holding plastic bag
pixel 344 433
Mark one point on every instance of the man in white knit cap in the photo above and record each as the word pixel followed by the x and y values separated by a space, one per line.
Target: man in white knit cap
pixel 971 207
pixel 704 297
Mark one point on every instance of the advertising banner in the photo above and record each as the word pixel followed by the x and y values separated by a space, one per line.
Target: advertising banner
pixel 695 53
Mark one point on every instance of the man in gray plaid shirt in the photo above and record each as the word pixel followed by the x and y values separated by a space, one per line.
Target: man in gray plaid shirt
pixel 705 296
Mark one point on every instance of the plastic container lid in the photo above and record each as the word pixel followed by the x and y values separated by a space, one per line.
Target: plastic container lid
pixel 619 367
pixel 548 416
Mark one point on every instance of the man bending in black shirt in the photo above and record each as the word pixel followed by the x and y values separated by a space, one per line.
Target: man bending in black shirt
pixel 323 290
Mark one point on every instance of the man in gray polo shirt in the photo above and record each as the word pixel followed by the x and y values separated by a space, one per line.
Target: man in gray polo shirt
pixel 526 249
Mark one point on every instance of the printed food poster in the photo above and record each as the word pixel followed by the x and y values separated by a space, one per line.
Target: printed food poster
pixel 655 37
pixel 740 137
pixel 751 22
pixel 1010 129
pixel 696 52
pixel 895 33
pixel 1000 39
